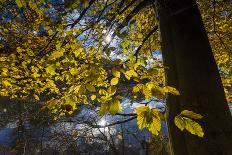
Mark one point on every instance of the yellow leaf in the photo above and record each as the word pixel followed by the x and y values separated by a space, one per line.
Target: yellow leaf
pixel 191 114
pixel 75 133
pixel 76 89
pixel 19 49
pixel 86 3
pixel 148 118
pixel 74 71
pixel 6 84
pixel 102 92
pixel 188 124
pixel 179 122
pixel 193 127
pixel 93 97
pixel 36 97
pixel 50 32
pixel 32 5
pixel 78 52
pixel 119 136
pixel 103 108
pixel 115 72
pixel 130 73
pixel 4 72
pixel 57 54
pixel 114 106
pixel 114 81
pixel 137 88
pixel 168 89
pixel 19 3
pixel 90 87
pixel 111 90
pixel 51 70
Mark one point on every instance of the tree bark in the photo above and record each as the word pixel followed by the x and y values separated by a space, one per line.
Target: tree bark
pixel 193 71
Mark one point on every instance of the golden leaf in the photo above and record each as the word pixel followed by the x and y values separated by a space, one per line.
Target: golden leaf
pixel 90 87
pixel 115 72
pixel 114 81
pixel 148 118
pixel 93 97
pixel 191 114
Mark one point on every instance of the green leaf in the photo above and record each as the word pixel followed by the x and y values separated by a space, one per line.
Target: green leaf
pixel 191 114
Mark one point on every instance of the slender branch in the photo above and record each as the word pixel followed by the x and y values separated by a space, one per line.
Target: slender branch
pixel 144 40
pixel 131 114
pixel 82 14
pixel 137 9
pixel 50 41
pixel 118 122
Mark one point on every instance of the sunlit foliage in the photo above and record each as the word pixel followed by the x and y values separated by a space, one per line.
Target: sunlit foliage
pixel 59 55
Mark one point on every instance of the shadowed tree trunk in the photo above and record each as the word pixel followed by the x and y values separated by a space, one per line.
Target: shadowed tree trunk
pixel 193 71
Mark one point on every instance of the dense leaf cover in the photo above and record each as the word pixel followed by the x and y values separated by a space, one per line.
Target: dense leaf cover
pixel 95 53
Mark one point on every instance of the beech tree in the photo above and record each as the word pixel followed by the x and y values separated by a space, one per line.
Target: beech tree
pixel 193 71
pixel 95 53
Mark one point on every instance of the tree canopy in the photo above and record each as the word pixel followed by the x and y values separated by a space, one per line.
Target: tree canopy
pixel 66 55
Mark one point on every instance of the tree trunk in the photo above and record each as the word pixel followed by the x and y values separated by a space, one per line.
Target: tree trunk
pixel 193 71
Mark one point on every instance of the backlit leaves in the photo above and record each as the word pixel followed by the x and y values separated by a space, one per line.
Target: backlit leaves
pixel 114 81
pixel 183 122
pixel 19 3
pixel 51 69
pixel 115 72
pixel 130 73
pixel 148 118
pixel 168 89
pixel 191 114
pixel 68 65
pixel 90 88
pixel 112 107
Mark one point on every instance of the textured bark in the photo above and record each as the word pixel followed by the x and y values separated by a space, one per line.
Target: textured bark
pixel 193 71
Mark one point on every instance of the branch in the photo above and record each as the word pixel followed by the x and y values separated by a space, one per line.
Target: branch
pixel 50 41
pixel 136 10
pixel 81 15
pixel 131 114
pixel 144 40
pixel 115 123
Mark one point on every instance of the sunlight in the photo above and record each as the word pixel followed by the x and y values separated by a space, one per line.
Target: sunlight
pixel 102 122
pixel 108 38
